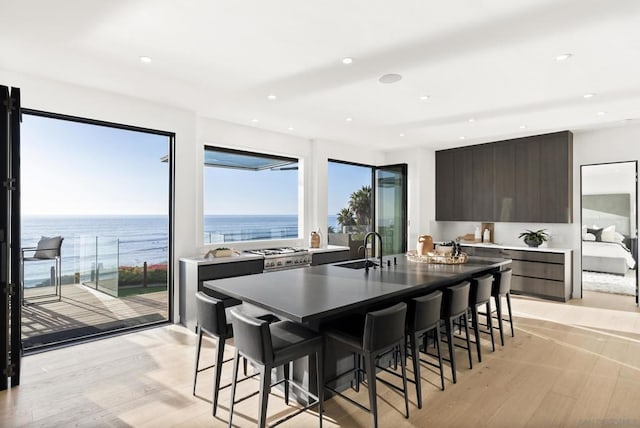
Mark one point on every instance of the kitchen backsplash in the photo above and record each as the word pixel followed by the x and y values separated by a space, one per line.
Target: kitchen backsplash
pixel 504 233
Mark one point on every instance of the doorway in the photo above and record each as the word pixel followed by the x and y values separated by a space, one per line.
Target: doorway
pixel 609 229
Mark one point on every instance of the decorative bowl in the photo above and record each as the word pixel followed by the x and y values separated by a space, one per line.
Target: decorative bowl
pixel 445 250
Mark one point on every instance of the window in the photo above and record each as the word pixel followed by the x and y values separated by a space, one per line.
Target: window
pixel 249 196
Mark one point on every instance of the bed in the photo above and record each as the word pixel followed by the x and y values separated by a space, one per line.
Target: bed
pixel 606 257
pixel 607 248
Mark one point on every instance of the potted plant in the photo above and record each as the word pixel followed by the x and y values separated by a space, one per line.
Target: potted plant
pixel 534 238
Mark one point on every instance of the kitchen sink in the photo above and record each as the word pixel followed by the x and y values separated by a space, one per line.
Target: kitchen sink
pixel 358 264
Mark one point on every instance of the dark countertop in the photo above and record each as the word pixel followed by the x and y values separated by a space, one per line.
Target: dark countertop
pixel 319 292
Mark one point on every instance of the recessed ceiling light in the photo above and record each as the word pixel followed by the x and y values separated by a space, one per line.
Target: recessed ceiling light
pixel 347 60
pixel 588 95
pixel 424 97
pixel 523 126
pixel 290 128
pixel 145 59
pixel 601 113
pixel 471 120
pixel 255 120
pixel 348 119
pixel 563 57
pixel 402 134
pixel 390 78
pixel 271 97
pixel 462 137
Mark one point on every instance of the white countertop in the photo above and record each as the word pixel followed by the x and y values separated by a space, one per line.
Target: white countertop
pixel 328 249
pixel 242 256
pixel 516 247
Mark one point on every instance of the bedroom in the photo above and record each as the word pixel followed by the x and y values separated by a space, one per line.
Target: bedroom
pixel 609 228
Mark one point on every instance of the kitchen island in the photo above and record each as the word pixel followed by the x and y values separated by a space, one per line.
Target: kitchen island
pixel 318 294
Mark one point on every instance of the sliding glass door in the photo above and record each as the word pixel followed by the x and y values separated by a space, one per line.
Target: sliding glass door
pixel 363 199
pixel 95 244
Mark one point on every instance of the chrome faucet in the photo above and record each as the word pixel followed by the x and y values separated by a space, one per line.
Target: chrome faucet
pixel 366 254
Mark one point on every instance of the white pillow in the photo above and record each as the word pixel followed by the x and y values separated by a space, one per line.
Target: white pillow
pixel 589 237
pixel 608 234
pixel 47 247
pixel 618 237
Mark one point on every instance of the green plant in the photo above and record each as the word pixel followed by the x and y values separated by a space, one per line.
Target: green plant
pixel 536 236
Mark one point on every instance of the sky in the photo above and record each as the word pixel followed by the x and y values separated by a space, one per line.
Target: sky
pixel 72 168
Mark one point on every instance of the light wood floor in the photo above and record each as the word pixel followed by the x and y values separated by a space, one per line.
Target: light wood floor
pixel 568 365
pixel 82 310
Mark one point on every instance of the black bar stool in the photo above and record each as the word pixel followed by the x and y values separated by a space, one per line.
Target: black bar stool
pixel 481 295
pixel 213 319
pixel 379 333
pixel 423 317
pixel 502 288
pixel 454 308
pixel 270 346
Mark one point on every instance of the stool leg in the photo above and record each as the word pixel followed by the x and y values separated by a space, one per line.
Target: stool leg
pixel 286 383
pixel 320 381
pixel 466 330
pixel 234 379
pixel 415 358
pixel 370 367
pixel 449 328
pixel 439 345
pixel 265 387
pixel 499 312
pixel 510 316
pixel 490 324
pixel 476 330
pixel 403 365
pixel 195 370
pixel 218 373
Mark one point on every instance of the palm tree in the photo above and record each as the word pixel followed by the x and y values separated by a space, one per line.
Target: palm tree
pixel 345 217
pixel 360 205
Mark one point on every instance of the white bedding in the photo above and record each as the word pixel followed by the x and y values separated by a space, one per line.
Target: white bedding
pixel 608 249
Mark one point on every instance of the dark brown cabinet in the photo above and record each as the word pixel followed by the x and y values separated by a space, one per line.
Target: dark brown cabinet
pixel 523 180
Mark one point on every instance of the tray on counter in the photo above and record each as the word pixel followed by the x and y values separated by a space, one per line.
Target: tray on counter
pixel 435 258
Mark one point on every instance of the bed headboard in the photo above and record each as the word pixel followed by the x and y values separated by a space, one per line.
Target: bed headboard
pixel 607 209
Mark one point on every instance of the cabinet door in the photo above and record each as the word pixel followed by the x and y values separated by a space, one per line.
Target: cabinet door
pixel 463 184
pixel 444 185
pixel 555 179
pixel 527 174
pixel 483 187
pixel 505 181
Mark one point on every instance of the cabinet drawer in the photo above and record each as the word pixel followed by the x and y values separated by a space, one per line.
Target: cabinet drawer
pixel 483 252
pixel 228 270
pixel 534 256
pixel 329 257
pixel 554 290
pixel 538 270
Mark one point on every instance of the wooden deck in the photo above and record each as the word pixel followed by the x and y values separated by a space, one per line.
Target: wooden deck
pixel 83 311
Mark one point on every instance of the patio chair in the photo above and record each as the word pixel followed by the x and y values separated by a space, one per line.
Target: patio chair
pixel 47 249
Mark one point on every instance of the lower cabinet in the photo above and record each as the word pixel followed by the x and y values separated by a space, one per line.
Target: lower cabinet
pixel 193 275
pixel 541 274
pixel 323 258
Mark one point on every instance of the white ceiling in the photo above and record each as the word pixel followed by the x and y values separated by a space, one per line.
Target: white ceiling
pixel 491 60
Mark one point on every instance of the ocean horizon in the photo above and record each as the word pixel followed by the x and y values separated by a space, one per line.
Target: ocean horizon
pixel 131 240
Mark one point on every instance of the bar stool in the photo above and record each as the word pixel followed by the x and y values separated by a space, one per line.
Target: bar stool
pixel 213 319
pixel 481 295
pixel 379 333
pixel 270 346
pixel 502 288
pixel 423 317
pixel 454 308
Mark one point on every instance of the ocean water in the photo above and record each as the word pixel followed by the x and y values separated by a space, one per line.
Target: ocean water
pixel 115 241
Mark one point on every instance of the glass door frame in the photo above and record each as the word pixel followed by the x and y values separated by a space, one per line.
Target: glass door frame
pixel 171 211
pixel 635 242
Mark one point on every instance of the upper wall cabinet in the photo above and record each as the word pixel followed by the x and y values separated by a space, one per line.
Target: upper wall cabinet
pixel 526 180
